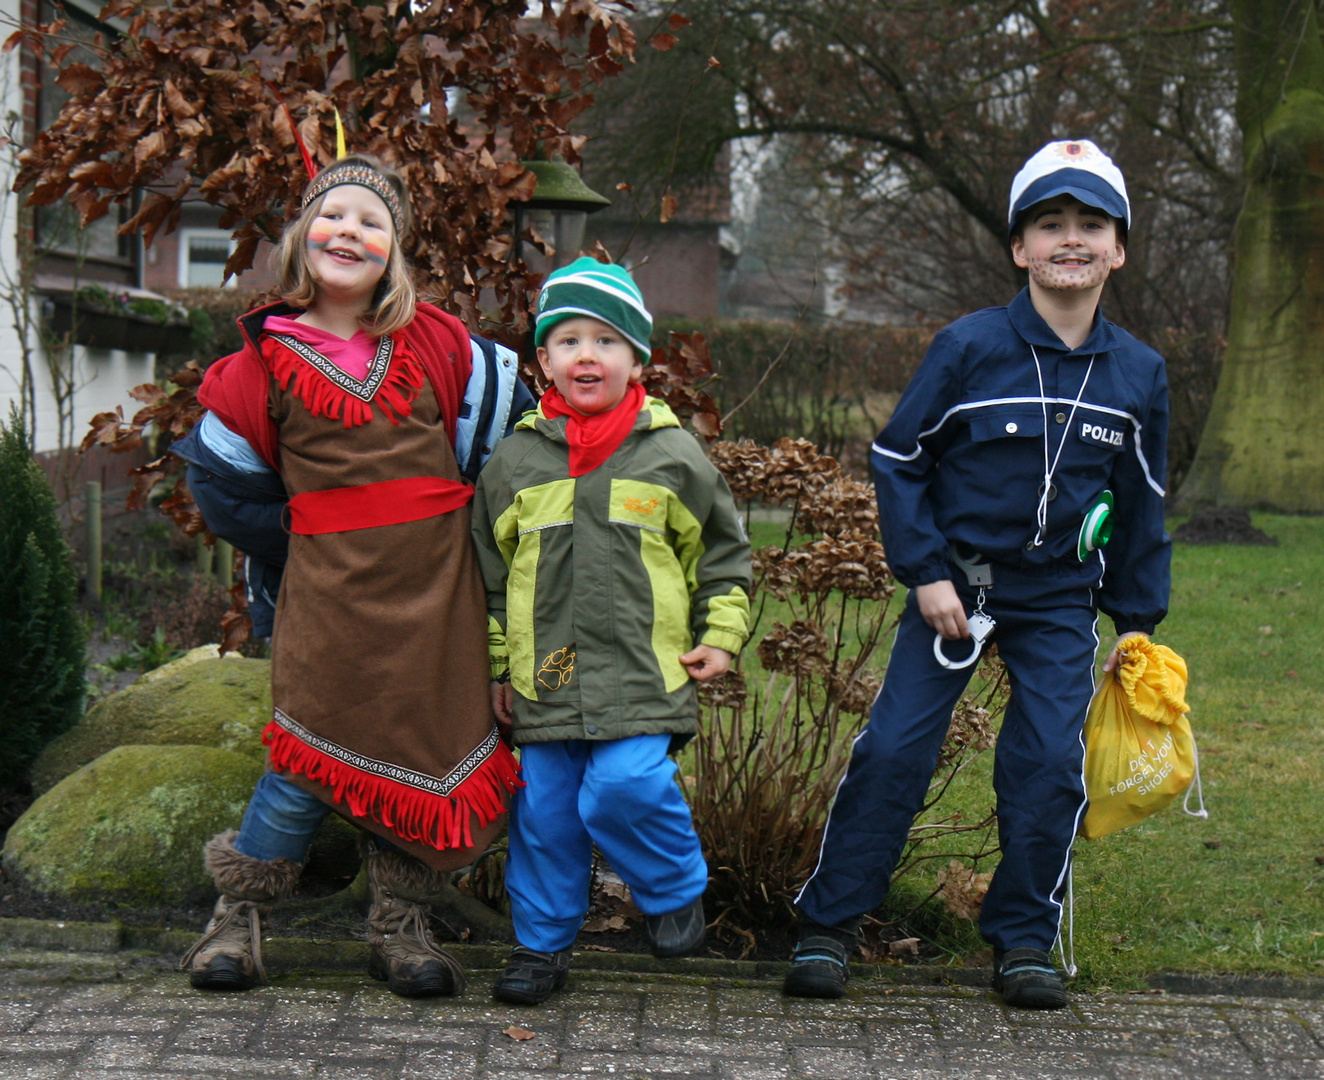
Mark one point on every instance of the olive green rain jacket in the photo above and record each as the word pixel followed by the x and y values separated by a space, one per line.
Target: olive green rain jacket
pixel 597 584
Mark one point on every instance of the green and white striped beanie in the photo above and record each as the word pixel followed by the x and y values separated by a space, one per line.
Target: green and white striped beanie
pixel 600 290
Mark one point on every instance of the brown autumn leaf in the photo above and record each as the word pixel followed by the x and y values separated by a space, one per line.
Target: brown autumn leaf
pixel 236 628
pixel 105 428
pixel 519 1034
pixel 669 207
pixel 663 42
pixel 678 22
pixel 149 393
pixel 78 79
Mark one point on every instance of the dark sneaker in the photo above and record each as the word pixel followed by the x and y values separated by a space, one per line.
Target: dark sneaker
pixel 820 966
pixel 677 933
pixel 1027 979
pixel 531 976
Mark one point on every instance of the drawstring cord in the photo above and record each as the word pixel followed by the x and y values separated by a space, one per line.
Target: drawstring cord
pixel 1195 786
pixel 1041 511
pixel 1068 951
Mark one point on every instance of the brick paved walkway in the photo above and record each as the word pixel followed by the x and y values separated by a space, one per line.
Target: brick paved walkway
pixel 129 1016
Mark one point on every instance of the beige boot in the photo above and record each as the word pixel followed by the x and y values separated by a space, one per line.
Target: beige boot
pixel 403 952
pixel 228 956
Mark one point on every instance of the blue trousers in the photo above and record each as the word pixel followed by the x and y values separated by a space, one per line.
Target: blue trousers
pixel 1046 636
pixel 281 820
pixel 620 794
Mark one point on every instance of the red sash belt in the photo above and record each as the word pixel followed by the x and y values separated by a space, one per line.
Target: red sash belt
pixel 366 506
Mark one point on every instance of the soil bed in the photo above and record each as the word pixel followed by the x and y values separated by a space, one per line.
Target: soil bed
pixel 1221 525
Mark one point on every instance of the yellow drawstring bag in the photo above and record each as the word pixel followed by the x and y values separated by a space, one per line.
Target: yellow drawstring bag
pixel 1139 751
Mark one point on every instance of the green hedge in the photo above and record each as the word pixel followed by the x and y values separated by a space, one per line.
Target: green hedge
pixel 836 385
pixel 831 384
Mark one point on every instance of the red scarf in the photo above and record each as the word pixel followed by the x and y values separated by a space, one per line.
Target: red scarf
pixel 593 439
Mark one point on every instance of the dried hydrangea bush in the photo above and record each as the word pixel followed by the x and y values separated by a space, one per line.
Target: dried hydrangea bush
pixel 776 732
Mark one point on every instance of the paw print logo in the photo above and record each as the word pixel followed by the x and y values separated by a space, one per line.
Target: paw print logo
pixel 557 669
pixel 641 506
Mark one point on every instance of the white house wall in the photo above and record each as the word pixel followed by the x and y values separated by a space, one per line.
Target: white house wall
pixel 102 377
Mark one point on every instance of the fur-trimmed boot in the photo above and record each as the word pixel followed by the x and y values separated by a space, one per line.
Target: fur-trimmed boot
pixel 228 956
pixel 403 952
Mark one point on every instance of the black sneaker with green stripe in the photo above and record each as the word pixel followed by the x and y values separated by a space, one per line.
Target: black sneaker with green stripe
pixel 820 964
pixel 1027 979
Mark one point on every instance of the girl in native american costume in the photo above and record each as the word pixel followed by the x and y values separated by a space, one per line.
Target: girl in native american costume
pixel 337 442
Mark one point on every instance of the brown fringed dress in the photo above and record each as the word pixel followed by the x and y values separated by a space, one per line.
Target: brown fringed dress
pixel 380 665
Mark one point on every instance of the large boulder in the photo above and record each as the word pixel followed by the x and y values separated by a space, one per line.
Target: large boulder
pixel 221 703
pixel 129 827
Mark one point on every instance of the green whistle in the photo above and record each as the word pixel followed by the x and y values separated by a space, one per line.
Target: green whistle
pixel 1097 527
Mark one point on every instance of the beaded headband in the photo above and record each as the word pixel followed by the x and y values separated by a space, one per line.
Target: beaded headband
pixel 357 172
pixel 350 172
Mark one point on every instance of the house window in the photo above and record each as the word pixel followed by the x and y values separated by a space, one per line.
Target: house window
pixel 202 256
pixel 57 226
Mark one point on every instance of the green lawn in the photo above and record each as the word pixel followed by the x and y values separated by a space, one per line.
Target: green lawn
pixel 1241 891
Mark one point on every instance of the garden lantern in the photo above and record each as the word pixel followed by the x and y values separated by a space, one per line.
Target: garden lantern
pixel 558 212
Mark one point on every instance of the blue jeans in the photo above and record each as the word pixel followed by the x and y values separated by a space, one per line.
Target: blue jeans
pixel 280 821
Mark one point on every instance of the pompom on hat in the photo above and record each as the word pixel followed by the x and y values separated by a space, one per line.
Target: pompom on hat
pixel 1070 167
pixel 599 290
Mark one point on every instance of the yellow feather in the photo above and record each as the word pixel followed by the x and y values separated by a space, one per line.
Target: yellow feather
pixel 340 136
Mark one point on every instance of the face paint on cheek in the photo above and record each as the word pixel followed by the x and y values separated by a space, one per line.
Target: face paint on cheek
pixel 376 252
pixel 319 237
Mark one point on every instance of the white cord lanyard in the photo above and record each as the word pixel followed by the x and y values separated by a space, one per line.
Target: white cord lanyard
pixel 1046 493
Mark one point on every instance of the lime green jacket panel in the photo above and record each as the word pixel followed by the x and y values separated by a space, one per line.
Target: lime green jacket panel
pixel 597 593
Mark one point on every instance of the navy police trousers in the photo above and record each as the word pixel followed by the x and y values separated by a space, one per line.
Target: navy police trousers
pixel 1046 636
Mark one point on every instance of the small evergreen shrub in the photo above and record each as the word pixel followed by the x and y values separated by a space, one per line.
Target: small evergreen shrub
pixel 42 642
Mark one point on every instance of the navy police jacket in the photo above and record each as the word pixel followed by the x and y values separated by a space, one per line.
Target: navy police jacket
pixel 962 461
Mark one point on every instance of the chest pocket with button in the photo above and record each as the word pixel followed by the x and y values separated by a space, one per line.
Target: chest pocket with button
pixel 991 424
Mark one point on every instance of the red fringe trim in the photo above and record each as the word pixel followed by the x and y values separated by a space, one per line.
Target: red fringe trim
pixel 322 397
pixel 440 821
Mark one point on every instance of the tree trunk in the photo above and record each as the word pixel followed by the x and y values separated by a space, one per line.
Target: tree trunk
pixel 1263 445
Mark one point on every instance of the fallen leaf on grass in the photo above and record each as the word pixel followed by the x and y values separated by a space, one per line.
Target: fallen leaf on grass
pixel 611 924
pixel 595 948
pixel 519 1034
pixel 906 947
pixel 1258 727
pixel 962 890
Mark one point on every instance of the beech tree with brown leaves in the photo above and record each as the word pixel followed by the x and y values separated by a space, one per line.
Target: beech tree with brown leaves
pixel 187 104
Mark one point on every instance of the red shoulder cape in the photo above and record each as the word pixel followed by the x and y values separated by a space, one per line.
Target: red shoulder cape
pixel 235 387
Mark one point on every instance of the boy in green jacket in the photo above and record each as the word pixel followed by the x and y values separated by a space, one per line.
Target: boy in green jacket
pixel 617 573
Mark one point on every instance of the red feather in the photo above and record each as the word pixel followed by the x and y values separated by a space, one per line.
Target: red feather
pixel 307 157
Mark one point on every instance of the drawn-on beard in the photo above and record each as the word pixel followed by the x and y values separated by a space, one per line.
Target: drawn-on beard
pixel 1056 278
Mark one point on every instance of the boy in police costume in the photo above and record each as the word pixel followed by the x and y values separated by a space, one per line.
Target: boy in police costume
pixel 1031 435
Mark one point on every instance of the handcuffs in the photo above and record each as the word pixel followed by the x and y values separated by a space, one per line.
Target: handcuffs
pixel 1095 532
pixel 980 625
